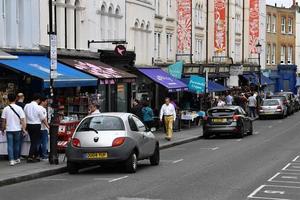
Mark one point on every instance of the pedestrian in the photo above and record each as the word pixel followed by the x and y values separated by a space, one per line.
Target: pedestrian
pixel 221 103
pixel 229 99
pixel 20 100
pixel 44 130
pixel 252 103
pixel 168 113
pixel 14 126
pixel 137 109
pixel 94 109
pixel 148 115
pixel 243 100
pixel 35 117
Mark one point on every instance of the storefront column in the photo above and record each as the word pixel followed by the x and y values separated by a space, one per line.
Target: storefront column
pixel 109 94
pixel 157 96
pixel 60 23
pixel 70 24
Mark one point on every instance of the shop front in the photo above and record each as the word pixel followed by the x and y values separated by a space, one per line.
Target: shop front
pixel 114 85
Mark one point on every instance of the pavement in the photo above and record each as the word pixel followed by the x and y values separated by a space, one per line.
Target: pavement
pixel 25 171
pixel 262 166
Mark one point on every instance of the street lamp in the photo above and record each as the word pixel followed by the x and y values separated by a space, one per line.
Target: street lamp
pixel 258 49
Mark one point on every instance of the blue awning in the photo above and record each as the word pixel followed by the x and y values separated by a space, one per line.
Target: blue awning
pixel 39 67
pixel 253 79
pixel 163 78
pixel 298 82
pixel 212 86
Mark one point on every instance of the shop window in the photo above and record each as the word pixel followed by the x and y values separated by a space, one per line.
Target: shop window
pixel 290 55
pixel 268 23
pixel 282 54
pixel 282 24
pixel 290 25
pixel 169 45
pixel 274 24
pixel 122 97
pixel 268 54
pixel 273 54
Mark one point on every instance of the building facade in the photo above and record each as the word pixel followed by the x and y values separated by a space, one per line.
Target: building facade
pixel 280 29
pixel 140 30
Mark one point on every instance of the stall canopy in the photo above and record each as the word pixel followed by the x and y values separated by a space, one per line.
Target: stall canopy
pixel 4 55
pixel 105 73
pixel 298 82
pixel 163 78
pixel 253 78
pixel 39 67
pixel 212 86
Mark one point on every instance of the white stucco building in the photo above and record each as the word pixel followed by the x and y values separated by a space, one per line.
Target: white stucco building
pixel 140 29
pixel 19 24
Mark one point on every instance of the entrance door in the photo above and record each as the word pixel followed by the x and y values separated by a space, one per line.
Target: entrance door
pixel 122 98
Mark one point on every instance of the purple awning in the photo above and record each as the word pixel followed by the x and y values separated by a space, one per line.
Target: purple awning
pixel 163 78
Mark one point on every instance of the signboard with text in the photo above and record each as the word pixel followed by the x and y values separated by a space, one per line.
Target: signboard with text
pixel 197 84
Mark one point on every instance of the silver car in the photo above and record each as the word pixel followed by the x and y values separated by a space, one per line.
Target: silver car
pixel 272 107
pixel 111 138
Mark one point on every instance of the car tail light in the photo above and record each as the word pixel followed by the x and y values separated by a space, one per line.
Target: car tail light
pixel 76 142
pixel 279 108
pixel 285 102
pixel 205 118
pixel 118 141
pixel 260 109
pixel 236 118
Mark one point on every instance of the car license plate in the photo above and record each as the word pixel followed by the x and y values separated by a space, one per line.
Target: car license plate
pixel 219 120
pixel 269 113
pixel 102 155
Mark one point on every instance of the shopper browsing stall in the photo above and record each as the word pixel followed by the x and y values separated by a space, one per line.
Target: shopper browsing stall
pixel 44 130
pixel 13 124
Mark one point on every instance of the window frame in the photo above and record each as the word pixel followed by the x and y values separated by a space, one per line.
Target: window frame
pixel 283 25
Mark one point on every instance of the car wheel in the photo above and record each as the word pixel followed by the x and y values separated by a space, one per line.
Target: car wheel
pixel 251 129
pixel 206 135
pixel 131 163
pixel 72 168
pixel 155 158
pixel 242 132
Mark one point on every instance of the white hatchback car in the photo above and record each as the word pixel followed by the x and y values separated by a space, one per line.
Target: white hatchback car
pixel 111 138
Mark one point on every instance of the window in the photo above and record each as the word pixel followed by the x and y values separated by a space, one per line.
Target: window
pixel 199 49
pixel 156 4
pixel 282 54
pixel 157 45
pixel 273 24
pixel 268 23
pixel 290 55
pixel 290 25
pixel 101 123
pixel 199 15
pixel 238 3
pixel 169 7
pixel 282 24
pixel 268 54
pixel 273 55
pixel 140 126
pixel 132 124
pixel 237 23
pixel 169 45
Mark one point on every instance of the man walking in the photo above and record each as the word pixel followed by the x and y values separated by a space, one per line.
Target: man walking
pixel 252 105
pixel 35 118
pixel 168 113
pixel 44 130
pixel 229 99
pixel 13 118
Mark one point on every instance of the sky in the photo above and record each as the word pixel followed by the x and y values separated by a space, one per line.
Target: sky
pixel 286 3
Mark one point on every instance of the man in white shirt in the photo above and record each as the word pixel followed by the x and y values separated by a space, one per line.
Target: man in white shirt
pixel 44 130
pixel 229 99
pixel 252 103
pixel 13 124
pixel 94 109
pixel 168 113
pixel 34 117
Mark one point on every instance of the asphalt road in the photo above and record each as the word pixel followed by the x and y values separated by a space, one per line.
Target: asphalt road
pixel 223 168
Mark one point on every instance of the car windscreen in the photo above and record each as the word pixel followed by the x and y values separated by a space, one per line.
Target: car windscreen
pixel 221 112
pixel 271 103
pixel 282 98
pixel 102 123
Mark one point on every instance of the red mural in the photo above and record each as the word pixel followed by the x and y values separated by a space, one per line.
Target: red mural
pixel 184 27
pixel 253 25
pixel 220 26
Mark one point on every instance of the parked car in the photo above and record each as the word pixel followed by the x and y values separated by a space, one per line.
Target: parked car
pixel 227 119
pixel 290 97
pixel 111 138
pixel 288 103
pixel 271 108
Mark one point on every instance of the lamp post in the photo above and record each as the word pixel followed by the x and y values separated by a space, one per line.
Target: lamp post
pixel 259 48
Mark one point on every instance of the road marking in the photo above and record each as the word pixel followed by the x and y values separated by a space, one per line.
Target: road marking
pixel 286 178
pixel 280 121
pixel 286 167
pixel 118 179
pixel 275 192
pixel 255 191
pixel 292 167
pixel 212 148
pixel 296 159
pixel 177 161
pixel 270 179
pixel 126 198
pixel 239 140
pixel 102 179
pixel 256 133
pixel 270 126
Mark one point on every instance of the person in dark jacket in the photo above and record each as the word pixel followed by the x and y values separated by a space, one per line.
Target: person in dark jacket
pixel 137 109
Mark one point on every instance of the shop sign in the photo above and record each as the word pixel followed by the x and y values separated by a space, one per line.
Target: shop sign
pixel 220 26
pixel 53 56
pixel 253 25
pixel 197 84
pixel 184 26
pixel 120 50
pixel 236 70
pixel 175 70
